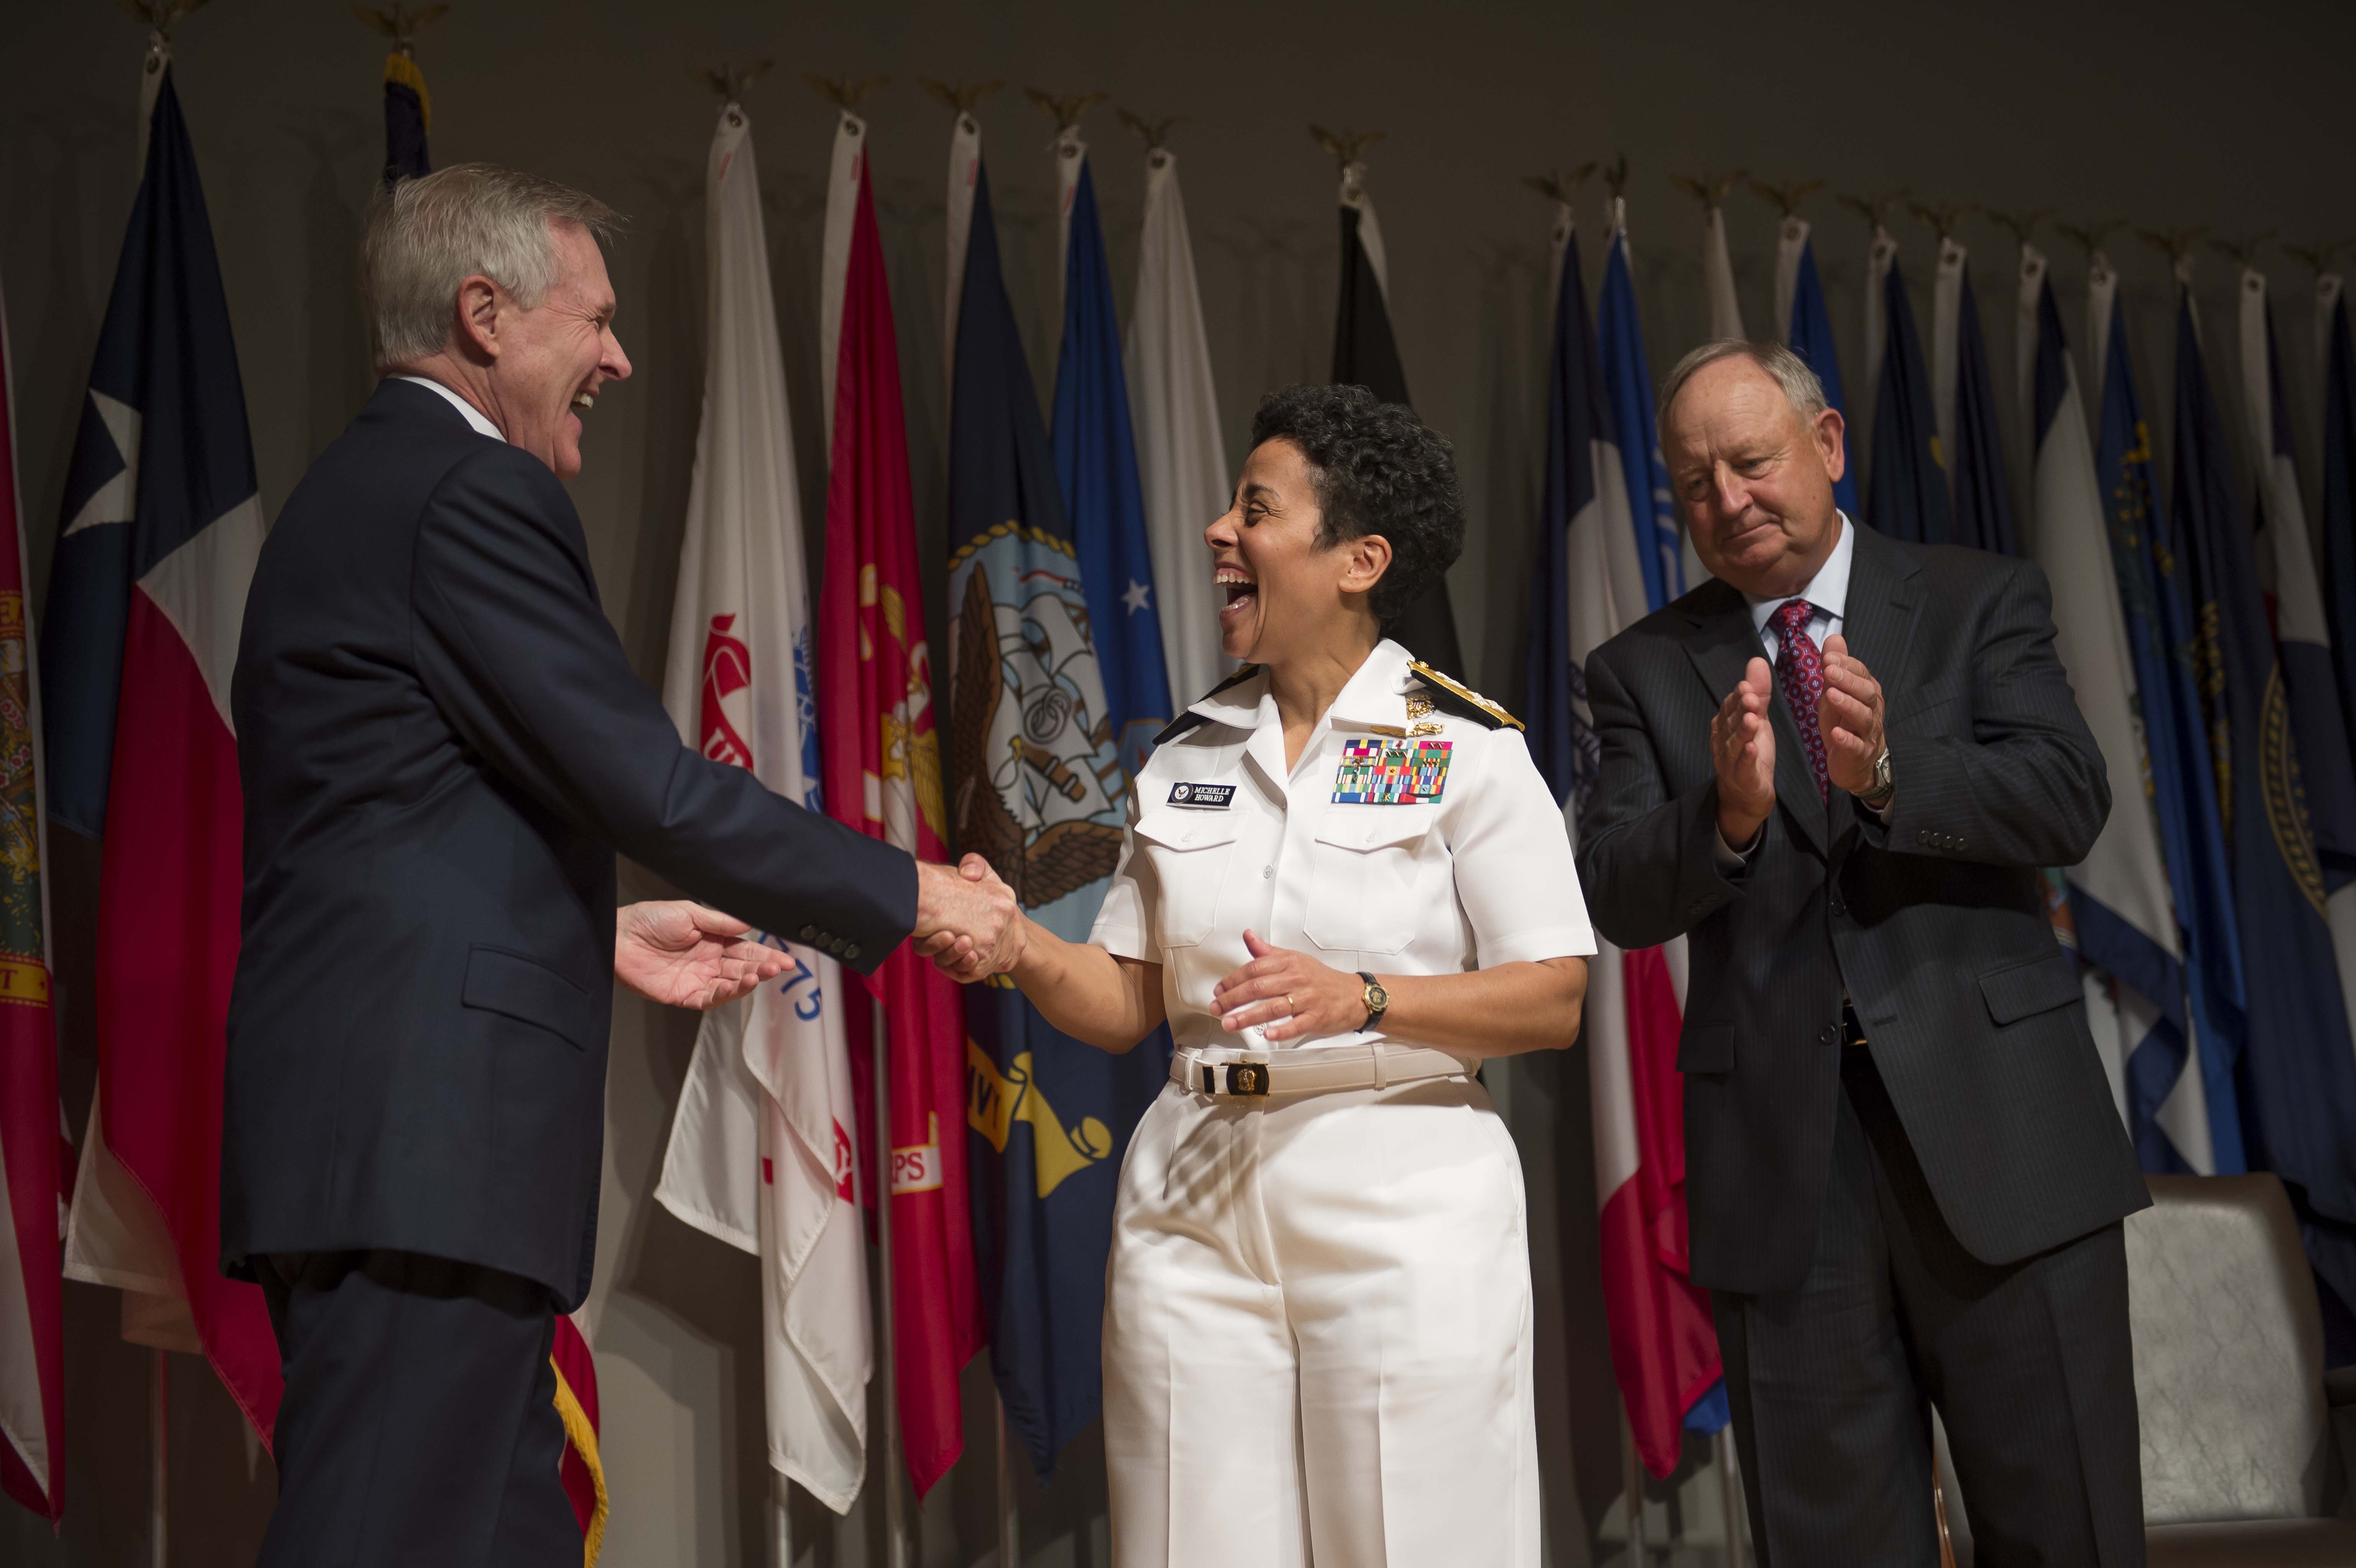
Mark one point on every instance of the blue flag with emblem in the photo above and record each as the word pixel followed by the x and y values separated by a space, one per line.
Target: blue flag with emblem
pixel 2298 1066
pixel 1095 464
pixel 1038 787
pixel 1628 387
pixel 1810 335
pixel 2339 515
pixel 1906 488
pixel 2205 1002
pixel 1983 493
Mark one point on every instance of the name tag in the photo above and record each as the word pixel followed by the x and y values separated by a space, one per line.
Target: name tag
pixel 1391 773
pixel 1202 797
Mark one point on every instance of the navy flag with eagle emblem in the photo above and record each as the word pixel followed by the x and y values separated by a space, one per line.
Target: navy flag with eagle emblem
pixel 1036 787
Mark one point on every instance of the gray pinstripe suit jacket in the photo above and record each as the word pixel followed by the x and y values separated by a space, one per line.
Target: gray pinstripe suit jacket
pixel 1933 924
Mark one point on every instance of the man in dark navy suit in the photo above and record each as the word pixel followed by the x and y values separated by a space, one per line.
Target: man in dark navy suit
pixel 441 745
pixel 1837 768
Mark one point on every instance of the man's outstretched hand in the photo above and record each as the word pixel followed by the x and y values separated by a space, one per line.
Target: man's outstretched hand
pixel 684 955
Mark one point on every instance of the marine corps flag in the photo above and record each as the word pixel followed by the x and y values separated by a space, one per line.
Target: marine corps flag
pixel 1365 354
pixel 156 548
pixel 1036 776
pixel 880 754
pixel 33 1156
pixel 761 1148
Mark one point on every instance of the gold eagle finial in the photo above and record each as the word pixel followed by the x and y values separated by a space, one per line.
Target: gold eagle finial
pixel 1787 196
pixel 1710 190
pixel 1068 110
pixel 1556 185
pixel 844 93
pixel 1346 145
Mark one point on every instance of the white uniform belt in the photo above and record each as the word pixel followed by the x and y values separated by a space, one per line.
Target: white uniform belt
pixel 1311 1072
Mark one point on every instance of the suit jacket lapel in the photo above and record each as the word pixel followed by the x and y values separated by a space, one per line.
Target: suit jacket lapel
pixel 1723 645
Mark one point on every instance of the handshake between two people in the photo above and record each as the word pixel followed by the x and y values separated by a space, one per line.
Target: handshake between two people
pixel 683 954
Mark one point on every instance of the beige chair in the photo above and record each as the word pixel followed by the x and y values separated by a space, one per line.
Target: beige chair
pixel 2239 1462
pixel 2241 1468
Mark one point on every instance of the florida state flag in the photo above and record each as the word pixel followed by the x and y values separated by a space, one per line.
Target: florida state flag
pixel 881 763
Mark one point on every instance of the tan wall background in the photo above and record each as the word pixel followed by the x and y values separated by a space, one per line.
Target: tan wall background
pixel 2168 115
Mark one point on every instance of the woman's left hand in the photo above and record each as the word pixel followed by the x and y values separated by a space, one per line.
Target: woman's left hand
pixel 1279 984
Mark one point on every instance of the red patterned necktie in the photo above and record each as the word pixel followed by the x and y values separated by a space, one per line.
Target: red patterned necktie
pixel 1800 674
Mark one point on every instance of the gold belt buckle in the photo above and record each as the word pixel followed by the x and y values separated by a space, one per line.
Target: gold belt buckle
pixel 1243 1077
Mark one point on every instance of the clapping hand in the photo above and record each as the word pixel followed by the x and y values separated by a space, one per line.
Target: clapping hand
pixel 1742 749
pixel 968 920
pixel 684 955
pixel 1850 716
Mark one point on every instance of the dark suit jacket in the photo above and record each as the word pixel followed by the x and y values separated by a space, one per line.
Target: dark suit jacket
pixel 1933 924
pixel 442 745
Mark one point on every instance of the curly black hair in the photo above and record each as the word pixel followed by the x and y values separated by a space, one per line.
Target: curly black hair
pixel 1378 469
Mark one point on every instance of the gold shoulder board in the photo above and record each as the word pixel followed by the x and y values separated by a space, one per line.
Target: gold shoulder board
pixel 1482 708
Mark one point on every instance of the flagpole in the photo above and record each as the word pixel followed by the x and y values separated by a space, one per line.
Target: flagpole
pixel 781 1523
pixel 1010 1530
pixel 1632 1477
pixel 895 1545
pixel 1730 1491
pixel 159 1432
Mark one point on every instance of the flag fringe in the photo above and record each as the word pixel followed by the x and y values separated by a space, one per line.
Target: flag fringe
pixel 583 1436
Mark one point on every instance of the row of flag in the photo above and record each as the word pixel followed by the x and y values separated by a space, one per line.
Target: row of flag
pixel 2219 673
pixel 2213 650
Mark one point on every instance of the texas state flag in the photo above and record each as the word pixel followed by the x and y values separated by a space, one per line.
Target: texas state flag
pixel 156 545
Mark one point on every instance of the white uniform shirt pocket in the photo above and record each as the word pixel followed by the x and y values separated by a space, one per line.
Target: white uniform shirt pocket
pixel 1185 857
pixel 1372 865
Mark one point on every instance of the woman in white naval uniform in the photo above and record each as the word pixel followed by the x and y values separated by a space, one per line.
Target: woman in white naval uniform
pixel 1344 884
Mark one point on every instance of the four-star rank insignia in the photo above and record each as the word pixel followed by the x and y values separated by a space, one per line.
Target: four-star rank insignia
pixel 1391 773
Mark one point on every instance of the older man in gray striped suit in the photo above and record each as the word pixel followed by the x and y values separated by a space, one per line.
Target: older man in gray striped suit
pixel 1837 769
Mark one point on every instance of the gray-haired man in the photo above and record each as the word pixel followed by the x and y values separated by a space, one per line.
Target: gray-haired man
pixel 1837 769
pixel 441 745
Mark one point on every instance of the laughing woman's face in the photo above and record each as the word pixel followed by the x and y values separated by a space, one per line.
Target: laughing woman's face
pixel 1285 595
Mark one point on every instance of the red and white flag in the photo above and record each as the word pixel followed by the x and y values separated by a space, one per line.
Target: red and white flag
pixel 1663 1350
pixel 883 763
pixel 157 547
pixel 762 1149
pixel 34 1154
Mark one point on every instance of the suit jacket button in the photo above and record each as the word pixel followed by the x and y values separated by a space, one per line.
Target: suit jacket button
pixel 851 951
pixel 1829 1033
pixel 809 933
pixel 1840 908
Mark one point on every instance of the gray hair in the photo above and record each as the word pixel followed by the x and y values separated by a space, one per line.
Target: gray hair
pixel 427 235
pixel 1800 388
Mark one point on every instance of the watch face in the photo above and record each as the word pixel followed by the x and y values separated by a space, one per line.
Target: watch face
pixel 1376 999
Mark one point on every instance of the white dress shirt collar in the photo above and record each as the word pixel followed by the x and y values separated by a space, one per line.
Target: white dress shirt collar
pixel 474 415
pixel 1828 590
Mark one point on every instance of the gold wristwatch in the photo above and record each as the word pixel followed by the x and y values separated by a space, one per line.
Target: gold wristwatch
pixel 1376 999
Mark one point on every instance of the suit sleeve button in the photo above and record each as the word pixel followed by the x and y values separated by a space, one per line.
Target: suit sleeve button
pixel 809 933
pixel 851 951
pixel 1922 835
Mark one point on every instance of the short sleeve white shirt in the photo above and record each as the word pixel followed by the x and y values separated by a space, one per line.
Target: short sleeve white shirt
pixel 1462 863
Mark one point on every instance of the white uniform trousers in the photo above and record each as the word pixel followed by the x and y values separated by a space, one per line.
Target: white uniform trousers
pixel 1317 1335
